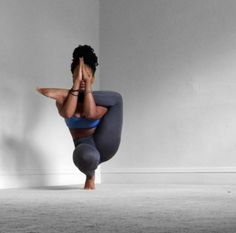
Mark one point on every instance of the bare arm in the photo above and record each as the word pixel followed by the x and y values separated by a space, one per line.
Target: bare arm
pixel 90 110
pixel 67 107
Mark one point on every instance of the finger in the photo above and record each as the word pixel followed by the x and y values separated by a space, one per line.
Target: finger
pixel 88 71
pixel 80 72
pixel 84 71
pixel 80 69
pixel 75 72
pixel 81 64
pixel 81 61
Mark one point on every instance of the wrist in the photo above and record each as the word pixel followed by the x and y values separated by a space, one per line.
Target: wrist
pixel 88 89
pixel 74 92
pixel 76 85
pixel 88 85
pixel 88 81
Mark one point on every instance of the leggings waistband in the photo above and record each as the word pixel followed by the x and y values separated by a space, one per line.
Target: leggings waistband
pixel 89 139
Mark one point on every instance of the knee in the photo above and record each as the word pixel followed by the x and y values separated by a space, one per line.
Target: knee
pixel 86 155
pixel 116 95
pixel 119 98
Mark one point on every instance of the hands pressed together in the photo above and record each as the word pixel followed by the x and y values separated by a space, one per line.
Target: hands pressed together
pixel 82 74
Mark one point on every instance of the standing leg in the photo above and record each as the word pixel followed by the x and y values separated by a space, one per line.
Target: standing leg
pixel 107 136
pixel 86 157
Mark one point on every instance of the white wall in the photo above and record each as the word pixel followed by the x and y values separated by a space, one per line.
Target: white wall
pixel 37 40
pixel 174 62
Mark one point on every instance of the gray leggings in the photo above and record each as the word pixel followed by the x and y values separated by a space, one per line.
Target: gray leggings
pixel 103 144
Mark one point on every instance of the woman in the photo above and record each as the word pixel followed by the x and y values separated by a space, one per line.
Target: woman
pixel 94 118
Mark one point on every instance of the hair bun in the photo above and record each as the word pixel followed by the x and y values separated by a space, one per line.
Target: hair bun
pixel 87 52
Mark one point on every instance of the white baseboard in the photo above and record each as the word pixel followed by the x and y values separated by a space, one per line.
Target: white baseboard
pixel 189 175
pixel 183 175
pixel 27 178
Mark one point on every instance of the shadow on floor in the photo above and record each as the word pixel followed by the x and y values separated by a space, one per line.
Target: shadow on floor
pixel 61 187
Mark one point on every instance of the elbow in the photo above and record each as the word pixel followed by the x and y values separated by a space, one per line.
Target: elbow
pixel 66 114
pixel 69 114
pixel 90 116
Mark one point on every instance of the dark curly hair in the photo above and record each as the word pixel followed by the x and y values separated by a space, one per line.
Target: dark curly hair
pixel 87 52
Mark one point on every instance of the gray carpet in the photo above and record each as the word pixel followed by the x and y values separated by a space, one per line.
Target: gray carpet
pixel 119 208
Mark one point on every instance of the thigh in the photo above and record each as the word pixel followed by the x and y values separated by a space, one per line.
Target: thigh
pixel 108 133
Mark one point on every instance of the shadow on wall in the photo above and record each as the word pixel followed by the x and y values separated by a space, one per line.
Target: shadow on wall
pixel 21 159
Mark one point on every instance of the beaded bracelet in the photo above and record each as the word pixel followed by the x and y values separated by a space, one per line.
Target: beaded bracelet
pixel 73 94
pixel 72 90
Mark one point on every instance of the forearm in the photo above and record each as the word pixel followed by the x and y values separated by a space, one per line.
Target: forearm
pixel 70 104
pixel 89 106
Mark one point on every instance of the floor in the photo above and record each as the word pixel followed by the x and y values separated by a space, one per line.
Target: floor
pixel 119 208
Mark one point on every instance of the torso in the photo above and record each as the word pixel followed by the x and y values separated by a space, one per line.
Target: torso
pixel 80 133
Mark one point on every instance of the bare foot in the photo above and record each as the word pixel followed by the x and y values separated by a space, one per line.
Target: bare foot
pixel 90 183
pixel 54 93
